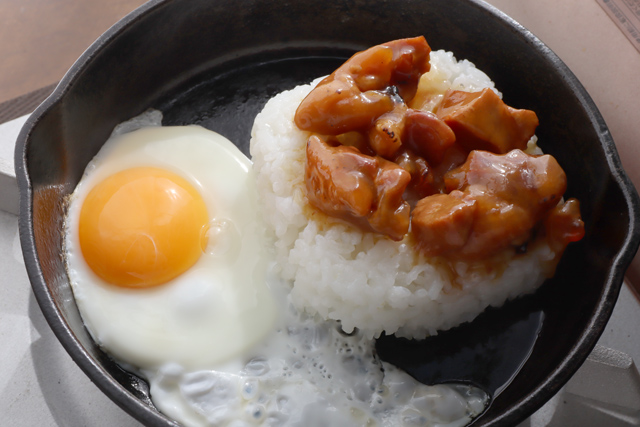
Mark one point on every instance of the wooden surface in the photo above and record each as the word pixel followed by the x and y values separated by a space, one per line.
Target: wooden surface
pixel 41 39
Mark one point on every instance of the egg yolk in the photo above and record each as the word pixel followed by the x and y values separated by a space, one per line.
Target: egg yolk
pixel 142 227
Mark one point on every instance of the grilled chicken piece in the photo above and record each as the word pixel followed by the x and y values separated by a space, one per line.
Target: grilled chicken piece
pixel 363 190
pixel 481 121
pixel 495 202
pixel 427 135
pixel 355 94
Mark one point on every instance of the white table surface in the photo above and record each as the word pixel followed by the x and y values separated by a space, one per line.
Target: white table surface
pixel 41 386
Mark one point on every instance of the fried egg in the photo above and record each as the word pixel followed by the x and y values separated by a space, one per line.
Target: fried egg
pixel 164 249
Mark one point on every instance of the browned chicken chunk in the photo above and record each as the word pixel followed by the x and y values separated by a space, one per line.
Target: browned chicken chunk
pixel 564 225
pixel 481 121
pixel 386 132
pixel 427 135
pixel 391 214
pixel 534 182
pixel 422 178
pixel 512 193
pixel 364 190
pixel 442 223
pixel 354 96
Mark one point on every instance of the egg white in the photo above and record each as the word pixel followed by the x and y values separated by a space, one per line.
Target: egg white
pixel 218 308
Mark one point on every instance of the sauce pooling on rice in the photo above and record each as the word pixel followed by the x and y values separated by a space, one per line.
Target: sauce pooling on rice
pixel 450 172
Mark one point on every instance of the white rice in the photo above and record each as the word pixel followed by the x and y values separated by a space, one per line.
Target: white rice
pixel 362 279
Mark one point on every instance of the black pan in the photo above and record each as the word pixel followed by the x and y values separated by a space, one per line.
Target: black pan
pixel 216 62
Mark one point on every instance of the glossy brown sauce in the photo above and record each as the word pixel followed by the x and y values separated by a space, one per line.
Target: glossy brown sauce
pixel 456 178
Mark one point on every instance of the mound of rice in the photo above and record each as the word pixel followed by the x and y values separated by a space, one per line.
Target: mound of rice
pixel 364 280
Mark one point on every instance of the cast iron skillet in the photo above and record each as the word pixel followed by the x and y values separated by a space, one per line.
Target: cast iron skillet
pixel 216 62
